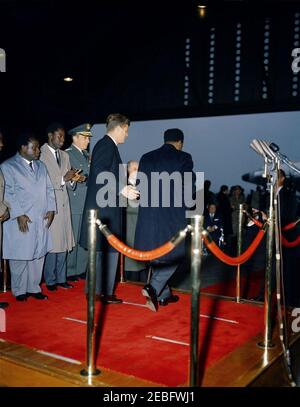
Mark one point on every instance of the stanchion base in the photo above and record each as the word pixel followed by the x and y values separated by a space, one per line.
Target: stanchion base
pixel 262 345
pixel 84 372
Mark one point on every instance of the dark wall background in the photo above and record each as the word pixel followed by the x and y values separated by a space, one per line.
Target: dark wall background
pixel 146 59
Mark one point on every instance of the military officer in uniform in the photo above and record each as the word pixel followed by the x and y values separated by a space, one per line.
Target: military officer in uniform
pixel 79 159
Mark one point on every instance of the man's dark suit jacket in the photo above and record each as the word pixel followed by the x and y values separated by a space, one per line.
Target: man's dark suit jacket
pixel 215 221
pixel 105 158
pixel 155 226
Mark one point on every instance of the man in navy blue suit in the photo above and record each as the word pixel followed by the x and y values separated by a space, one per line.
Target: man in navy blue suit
pixel 213 223
pixel 106 160
pixel 156 224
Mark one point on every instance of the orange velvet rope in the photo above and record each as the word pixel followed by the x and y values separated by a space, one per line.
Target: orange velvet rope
pixel 234 261
pixel 137 254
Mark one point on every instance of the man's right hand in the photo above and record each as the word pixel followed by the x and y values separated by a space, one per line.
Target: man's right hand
pixel 70 175
pixel 23 221
pixel 5 216
pixel 130 192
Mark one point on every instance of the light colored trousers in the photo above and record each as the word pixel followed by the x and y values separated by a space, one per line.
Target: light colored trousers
pixel 26 275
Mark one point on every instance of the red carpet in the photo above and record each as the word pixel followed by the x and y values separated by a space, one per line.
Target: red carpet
pixel 126 341
pixel 250 287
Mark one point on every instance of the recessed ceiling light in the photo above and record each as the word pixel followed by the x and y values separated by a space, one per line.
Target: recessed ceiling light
pixel 68 79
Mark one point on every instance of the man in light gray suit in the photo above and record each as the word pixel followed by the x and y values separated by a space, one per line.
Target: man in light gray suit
pixel 62 176
pixel 79 158
pixel 26 238
pixel 4 215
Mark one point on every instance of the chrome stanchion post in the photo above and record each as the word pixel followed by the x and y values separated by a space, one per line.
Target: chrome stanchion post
pixel 122 274
pixel 91 369
pixel 239 251
pixel 267 342
pixel 196 256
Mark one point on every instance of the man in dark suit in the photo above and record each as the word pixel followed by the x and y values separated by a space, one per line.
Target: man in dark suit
pixel 106 160
pixel 288 206
pixel 213 223
pixel 156 225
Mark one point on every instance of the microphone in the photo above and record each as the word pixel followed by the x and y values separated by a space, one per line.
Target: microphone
pixel 274 147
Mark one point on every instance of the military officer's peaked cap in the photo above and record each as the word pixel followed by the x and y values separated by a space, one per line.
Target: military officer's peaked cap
pixel 83 129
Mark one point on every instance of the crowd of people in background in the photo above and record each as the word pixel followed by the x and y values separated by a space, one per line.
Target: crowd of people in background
pixel 225 205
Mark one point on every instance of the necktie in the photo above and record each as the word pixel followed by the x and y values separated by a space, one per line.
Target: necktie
pixel 31 166
pixel 85 155
pixel 57 157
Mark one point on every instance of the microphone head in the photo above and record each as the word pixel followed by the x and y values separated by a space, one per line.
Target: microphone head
pixel 274 147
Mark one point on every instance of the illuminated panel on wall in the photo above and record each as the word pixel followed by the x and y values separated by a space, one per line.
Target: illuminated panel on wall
pixel 211 74
pixel 187 70
pixel 237 72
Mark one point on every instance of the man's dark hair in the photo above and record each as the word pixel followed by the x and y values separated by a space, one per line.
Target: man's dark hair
pixel 173 135
pixel 24 138
pixel 116 119
pixel 54 127
pixel 224 188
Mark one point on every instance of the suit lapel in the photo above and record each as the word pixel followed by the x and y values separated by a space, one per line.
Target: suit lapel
pixel 25 165
pixel 52 161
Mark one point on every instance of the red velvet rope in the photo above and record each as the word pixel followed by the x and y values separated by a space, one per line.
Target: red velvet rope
pixel 290 225
pixel 284 241
pixel 288 244
pixel 284 229
pixel 234 261
pixel 257 222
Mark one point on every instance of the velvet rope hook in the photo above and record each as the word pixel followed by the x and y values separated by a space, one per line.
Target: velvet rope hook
pixel 138 254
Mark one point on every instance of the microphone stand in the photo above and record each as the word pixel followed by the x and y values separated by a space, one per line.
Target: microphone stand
pixel 267 341
pixel 272 161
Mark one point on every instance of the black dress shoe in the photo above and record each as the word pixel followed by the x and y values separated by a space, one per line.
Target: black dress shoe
pixel 165 301
pixel 22 297
pixel 38 296
pixel 149 292
pixel 3 305
pixel 73 278
pixel 111 299
pixel 64 285
pixel 51 287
